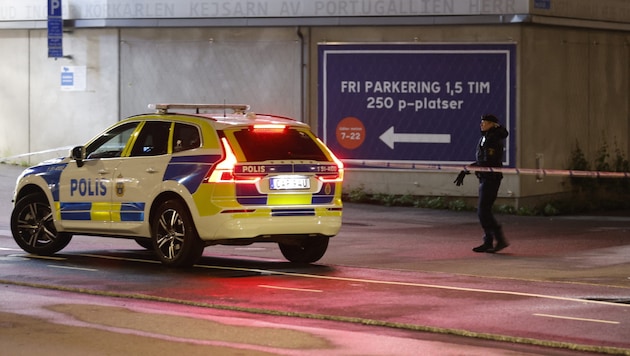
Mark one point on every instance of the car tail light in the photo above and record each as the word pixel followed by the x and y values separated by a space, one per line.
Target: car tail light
pixel 223 171
pixel 332 176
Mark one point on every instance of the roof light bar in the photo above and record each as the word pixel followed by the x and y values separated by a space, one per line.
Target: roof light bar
pixel 164 108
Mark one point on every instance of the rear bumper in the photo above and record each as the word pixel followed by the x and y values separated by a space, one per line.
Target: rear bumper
pixel 269 222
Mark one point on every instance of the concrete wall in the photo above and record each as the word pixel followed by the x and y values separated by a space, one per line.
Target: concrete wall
pixel 127 69
pixel 574 91
pixel 39 116
pixel 573 87
pixel 14 92
pixel 255 66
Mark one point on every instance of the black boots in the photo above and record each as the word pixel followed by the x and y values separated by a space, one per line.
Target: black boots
pixel 484 248
pixel 501 241
pixel 487 245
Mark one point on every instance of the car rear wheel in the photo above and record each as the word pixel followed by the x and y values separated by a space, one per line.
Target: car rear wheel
pixel 307 250
pixel 175 238
pixel 33 227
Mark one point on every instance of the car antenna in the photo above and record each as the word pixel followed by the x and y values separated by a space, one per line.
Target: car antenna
pixel 224 109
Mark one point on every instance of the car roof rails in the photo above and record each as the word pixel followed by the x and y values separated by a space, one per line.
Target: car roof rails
pixel 164 108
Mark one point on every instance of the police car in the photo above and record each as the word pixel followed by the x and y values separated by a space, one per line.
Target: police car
pixel 185 177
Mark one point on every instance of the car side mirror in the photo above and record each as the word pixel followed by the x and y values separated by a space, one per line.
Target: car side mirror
pixel 78 154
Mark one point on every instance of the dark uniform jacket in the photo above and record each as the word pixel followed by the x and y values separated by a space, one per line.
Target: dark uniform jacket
pixel 490 151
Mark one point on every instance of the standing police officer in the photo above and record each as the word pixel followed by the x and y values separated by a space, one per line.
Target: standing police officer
pixel 489 154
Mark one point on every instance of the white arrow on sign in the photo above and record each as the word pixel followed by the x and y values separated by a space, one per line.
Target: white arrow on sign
pixel 390 138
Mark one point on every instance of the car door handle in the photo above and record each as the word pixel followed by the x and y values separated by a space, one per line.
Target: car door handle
pixel 103 172
pixel 151 170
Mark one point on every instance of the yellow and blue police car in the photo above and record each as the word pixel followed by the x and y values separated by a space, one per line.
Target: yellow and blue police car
pixel 185 177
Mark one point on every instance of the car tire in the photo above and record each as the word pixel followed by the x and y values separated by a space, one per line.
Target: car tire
pixel 307 250
pixel 175 239
pixel 33 227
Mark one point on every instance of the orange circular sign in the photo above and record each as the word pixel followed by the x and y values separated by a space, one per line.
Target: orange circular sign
pixel 350 133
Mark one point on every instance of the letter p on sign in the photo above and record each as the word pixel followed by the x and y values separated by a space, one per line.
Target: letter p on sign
pixel 54 7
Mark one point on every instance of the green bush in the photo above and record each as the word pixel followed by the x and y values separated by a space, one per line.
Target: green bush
pixel 358 195
pixel 592 194
pixel 458 205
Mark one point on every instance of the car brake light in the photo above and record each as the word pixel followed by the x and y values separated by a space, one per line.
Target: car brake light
pixel 269 127
pixel 223 171
pixel 337 176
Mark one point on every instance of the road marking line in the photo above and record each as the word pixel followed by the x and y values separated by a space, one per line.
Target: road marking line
pixel 117 258
pixel 578 319
pixel 74 268
pixel 9 249
pixel 368 281
pixel 52 258
pixel 293 289
pixel 411 284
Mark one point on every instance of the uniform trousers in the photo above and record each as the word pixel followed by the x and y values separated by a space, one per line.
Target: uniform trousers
pixel 488 191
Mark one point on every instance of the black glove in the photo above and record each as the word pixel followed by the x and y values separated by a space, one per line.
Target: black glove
pixel 460 177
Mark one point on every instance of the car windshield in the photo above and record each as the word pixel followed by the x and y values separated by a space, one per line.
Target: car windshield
pixel 287 144
pixel 111 143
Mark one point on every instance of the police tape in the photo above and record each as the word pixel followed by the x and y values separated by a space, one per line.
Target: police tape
pixel 353 163
pixel 53 152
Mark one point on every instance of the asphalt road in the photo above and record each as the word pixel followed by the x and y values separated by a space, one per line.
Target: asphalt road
pixel 395 281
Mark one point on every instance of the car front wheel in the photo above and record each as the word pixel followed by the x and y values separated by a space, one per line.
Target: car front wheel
pixel 175 238
pixel 307 250
pixel 33 228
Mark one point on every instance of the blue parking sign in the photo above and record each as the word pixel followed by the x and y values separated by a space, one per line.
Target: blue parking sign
pixel 55 29
pixel 414 103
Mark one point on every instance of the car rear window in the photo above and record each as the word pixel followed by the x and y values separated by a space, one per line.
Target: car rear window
pixel 287 144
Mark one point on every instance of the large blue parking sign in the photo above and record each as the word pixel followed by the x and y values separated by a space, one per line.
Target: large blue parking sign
pixel 414 103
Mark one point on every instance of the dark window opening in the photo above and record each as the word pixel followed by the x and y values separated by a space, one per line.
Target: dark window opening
pixel 185 137
pixel 152 140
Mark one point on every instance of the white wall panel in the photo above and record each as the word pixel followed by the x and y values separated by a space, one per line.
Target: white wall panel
pixel 14 92
pixel 259 67
pixel 65 118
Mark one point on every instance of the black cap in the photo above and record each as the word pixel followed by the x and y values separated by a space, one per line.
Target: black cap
pixel 490 117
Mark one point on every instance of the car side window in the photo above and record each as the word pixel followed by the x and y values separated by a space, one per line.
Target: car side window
pixel 112 143
pixel 185 137
pixel 153 139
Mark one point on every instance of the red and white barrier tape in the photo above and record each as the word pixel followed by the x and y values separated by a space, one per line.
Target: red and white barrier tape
pixel 456 168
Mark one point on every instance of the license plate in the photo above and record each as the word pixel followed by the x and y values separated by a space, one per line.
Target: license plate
pixel 284 183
